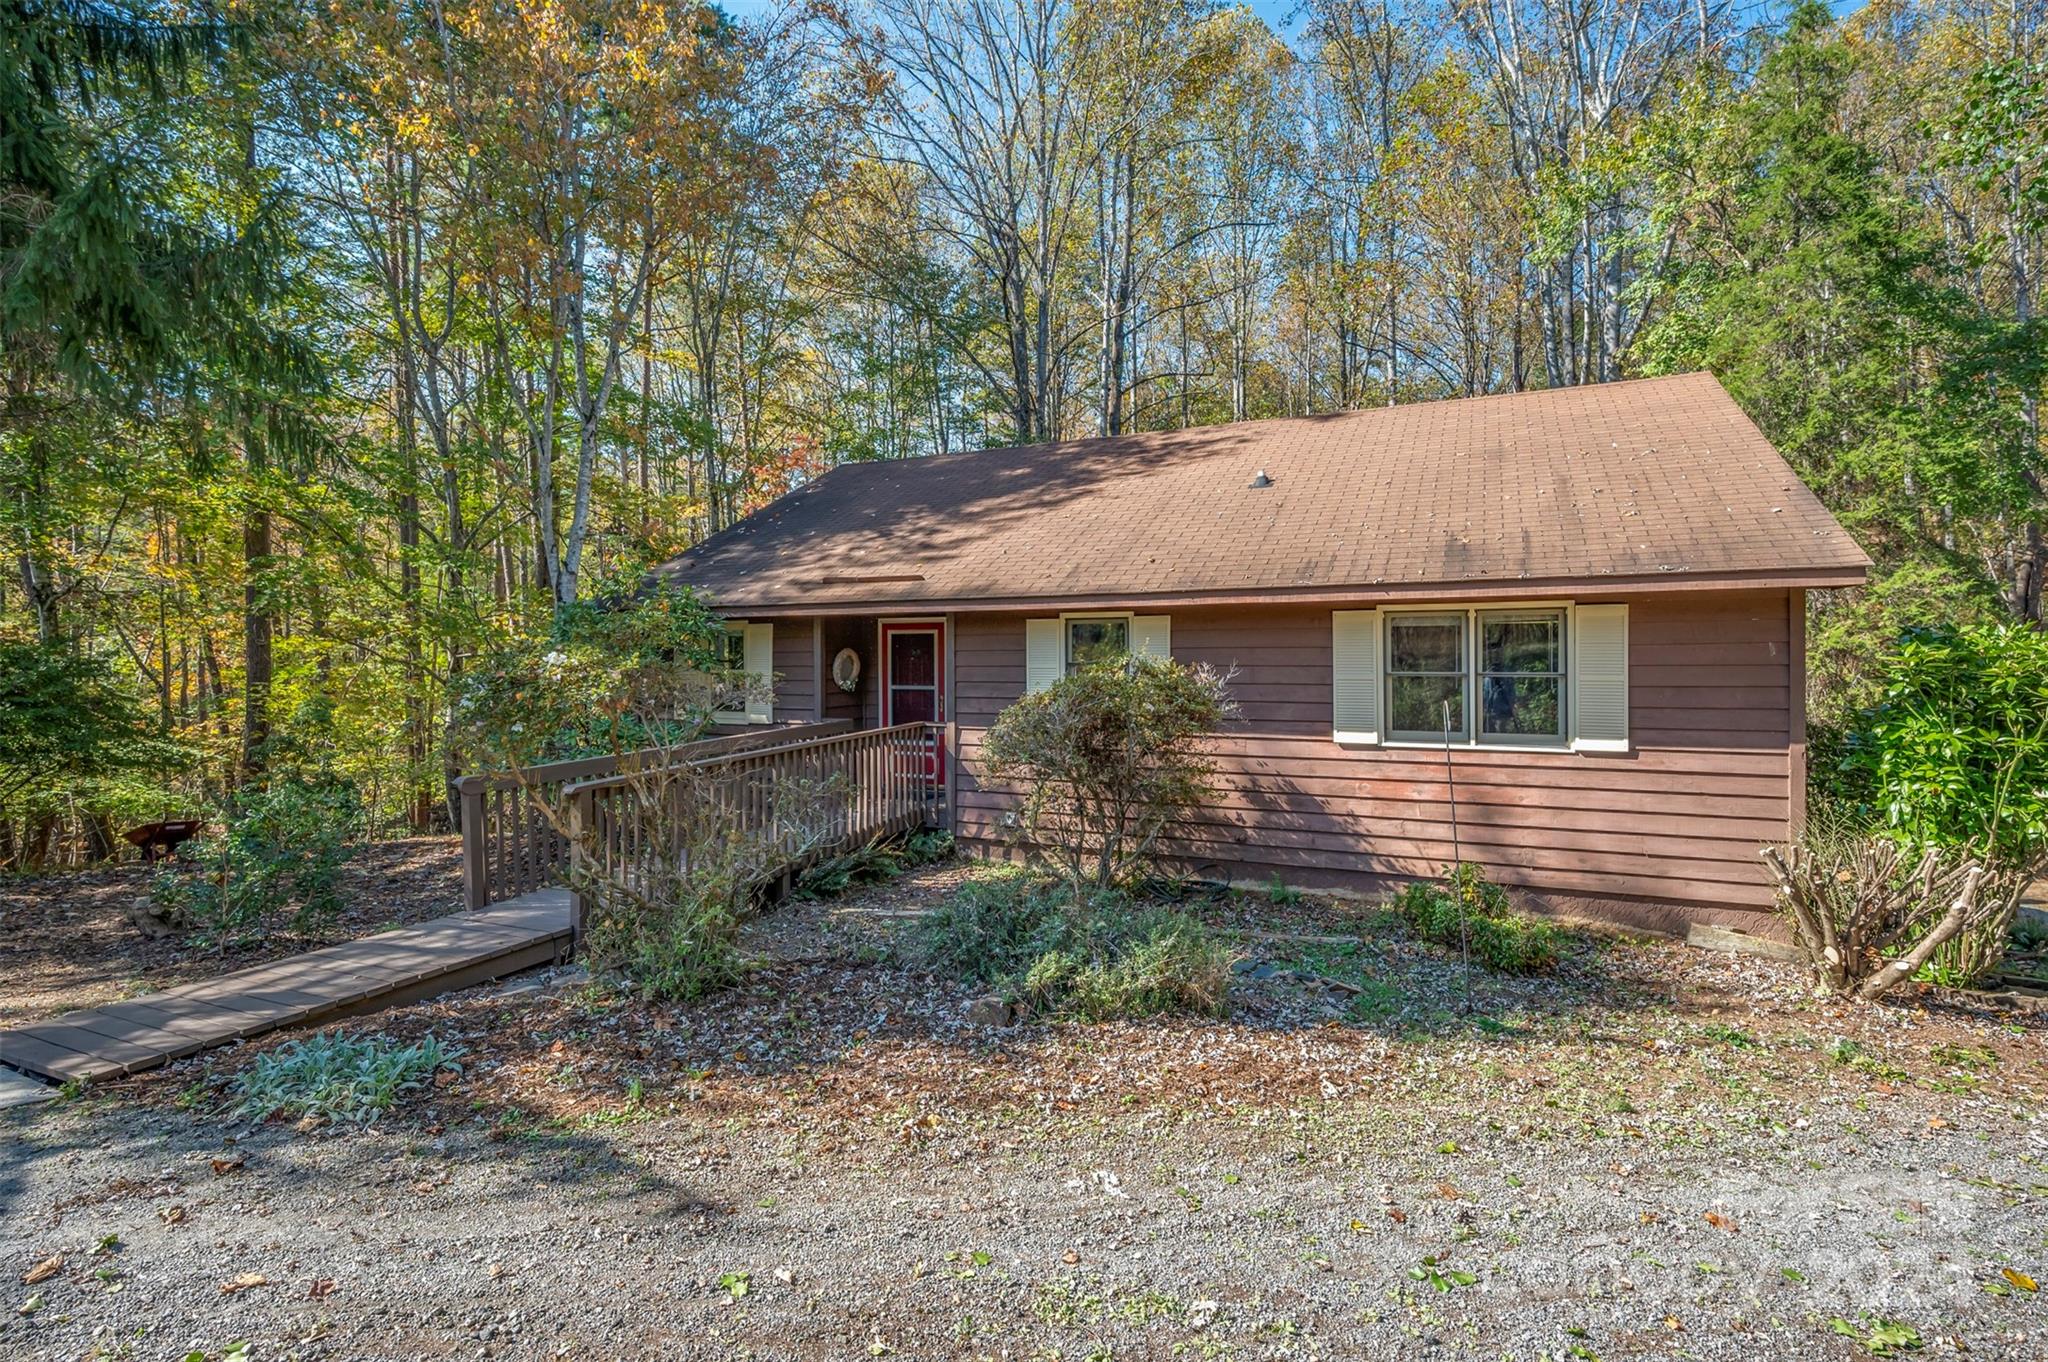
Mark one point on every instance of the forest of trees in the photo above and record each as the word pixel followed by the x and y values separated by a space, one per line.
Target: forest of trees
pixel 347 340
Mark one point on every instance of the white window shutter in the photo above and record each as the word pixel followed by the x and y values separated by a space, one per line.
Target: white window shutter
pixel 1043 656
pixel 1600 678
pixel 1355 676
pixel 760 662
pixel 1152 636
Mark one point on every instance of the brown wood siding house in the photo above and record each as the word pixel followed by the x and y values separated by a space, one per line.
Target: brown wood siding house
pixel 1606 583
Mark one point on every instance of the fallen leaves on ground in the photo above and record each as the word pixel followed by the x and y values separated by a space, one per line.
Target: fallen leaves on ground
pixel 43 1271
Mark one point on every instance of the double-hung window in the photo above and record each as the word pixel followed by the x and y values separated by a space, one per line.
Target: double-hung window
pixel 1501 670
pixel 1427 676
pixel 1521 677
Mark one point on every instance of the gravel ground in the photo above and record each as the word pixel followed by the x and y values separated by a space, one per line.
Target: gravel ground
pixel 1653 1153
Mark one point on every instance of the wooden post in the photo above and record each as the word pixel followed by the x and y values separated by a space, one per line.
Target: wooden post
pixel 476 889
pixel 581 807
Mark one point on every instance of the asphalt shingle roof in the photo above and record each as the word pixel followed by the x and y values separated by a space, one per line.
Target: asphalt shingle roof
pixel 1648 479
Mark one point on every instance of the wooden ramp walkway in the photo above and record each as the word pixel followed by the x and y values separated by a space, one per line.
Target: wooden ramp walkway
pixel 347 980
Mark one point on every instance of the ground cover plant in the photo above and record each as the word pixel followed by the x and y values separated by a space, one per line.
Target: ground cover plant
pixel 875 862
pixel 1105 954
pixel 337 1077
pixel 1465 910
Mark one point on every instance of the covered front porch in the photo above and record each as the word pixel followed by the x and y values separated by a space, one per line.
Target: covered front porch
pixel 865 670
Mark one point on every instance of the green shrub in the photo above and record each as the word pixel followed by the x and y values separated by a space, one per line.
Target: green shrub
pixel 1953 758
pixel 337 1077
pixel 277 864
pixel 989 929
pixel 1956 751
pixel 1108 758
pixel 1103 957
pixel 1121 963
pixel 1501 938
pixel 678 949
pixel 668 926
pixel 635 668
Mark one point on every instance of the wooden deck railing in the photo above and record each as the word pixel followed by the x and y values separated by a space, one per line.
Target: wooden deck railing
pixel 509 848
pixel 810 798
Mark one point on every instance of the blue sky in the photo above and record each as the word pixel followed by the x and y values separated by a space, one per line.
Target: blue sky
pixel 1276 13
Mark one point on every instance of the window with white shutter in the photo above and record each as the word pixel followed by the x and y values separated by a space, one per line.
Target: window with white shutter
pixel 1599 676
pixel 750 653
pixel 760 662
pixel 1152 636
pixel 1355 676
pixel 1547 675
pixel 1055 648
pixel 1044 654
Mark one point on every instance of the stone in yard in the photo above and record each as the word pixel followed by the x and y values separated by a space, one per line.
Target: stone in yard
pixel 989 1011
pixel 151 919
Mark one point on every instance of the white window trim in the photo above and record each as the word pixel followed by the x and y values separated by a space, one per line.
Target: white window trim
pixel 750 717
pixel 1472 741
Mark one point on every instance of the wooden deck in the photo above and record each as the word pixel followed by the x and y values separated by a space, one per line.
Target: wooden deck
pixel 338 981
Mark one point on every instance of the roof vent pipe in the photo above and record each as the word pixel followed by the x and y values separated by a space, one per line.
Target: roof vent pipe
pixel 1259 479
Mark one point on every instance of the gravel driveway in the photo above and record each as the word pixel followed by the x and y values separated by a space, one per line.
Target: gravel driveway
pixel 1654 1154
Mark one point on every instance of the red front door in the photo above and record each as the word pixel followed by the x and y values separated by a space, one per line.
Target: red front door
pixel 914 680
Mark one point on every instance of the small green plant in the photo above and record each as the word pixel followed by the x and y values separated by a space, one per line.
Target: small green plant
pixel 1441 1277
pixel 1734 1037
pixel 1468 906
pixel 1106 956
pixel 338 1077
pixel 1282 894
pixel 1881 1337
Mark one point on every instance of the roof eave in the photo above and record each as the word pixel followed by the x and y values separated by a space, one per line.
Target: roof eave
pixel 1811 578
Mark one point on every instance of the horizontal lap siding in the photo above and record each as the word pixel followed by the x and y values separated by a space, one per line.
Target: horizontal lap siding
pixel 1678 819
pixel 796 671
pixel 859 635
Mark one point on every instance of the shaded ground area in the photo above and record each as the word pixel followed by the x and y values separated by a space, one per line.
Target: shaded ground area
pixel 66 941
pixel 1653 1153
